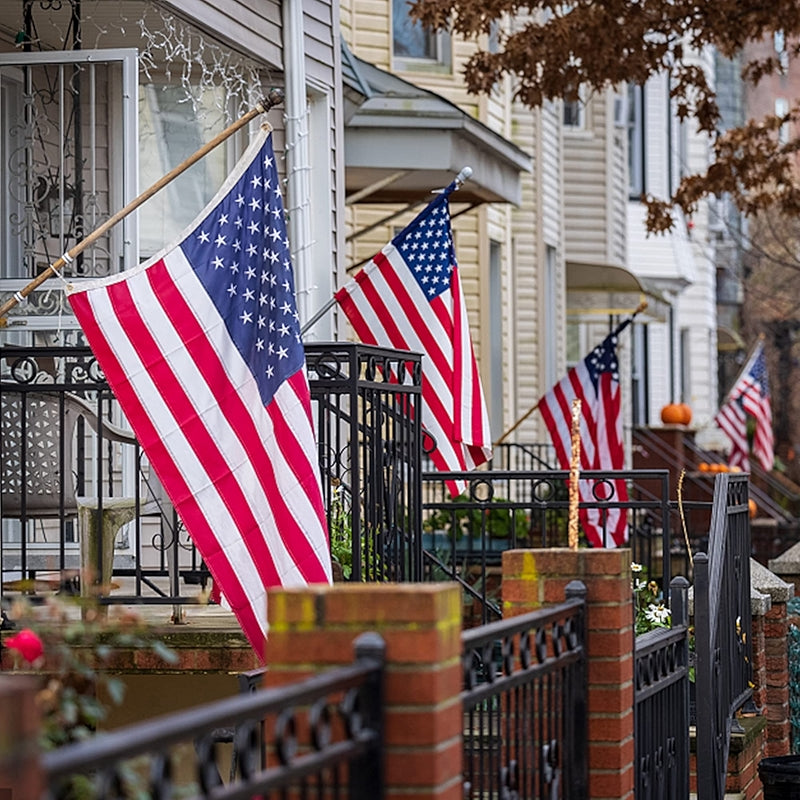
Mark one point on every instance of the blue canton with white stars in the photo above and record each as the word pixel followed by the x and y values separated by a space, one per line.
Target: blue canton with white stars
pixel 758 372
pixel 240 253
pixel 603 359
pixel 427 247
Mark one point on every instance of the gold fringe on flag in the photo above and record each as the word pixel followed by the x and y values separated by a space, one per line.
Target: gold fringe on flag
pixel 574 471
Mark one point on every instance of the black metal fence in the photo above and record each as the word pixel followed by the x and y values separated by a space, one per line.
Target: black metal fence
pixel 318 738
pixel 525 704
pixel 463 538
pixel 367 416
pixel 722 624
pixel 68 463
pixel 661 705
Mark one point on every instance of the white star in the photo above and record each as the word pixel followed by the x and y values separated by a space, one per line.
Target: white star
pixel 238 222
pixel 270 371
pixel 204 237
pixel 251 249
pixel 239 200
pixel 220 240
pixel 256 181
pixel 262 299
pixel 249 294
pixel 275 234
pixel 246 317
pixel 255 204
pixel 251 273
pixel 232 289
pixel 253 227
pixel 261 322
pixel 223 219
pixel 286 308
pixel 285 330
pixel 237 246
pixel 218 263
pixel 283 352
pixel 259 344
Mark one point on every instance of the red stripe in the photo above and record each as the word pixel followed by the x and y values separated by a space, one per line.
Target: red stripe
pixel 167 470
pixel 230 403
pixel 184 414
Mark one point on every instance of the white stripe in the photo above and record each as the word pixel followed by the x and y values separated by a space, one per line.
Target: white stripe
pixel 183 456
pixel 219 428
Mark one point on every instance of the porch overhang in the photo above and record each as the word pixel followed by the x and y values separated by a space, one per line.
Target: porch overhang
pixel 402 142
pixel 598 289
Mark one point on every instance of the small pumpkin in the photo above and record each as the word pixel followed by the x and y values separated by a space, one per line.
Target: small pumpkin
pixel 676 414
pixel 751 504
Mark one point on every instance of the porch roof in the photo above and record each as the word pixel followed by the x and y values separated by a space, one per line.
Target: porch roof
pixel 402 141
pixel 603 289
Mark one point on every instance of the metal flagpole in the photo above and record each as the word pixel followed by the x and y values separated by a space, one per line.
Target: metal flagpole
pixel 462 176
pixel 641 307
pixel 274 98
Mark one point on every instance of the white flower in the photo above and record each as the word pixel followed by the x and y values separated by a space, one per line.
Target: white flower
pixel 639 585
pixel 635 567
pixel 657 614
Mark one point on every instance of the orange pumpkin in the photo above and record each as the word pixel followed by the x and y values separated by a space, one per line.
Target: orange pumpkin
pixel 704 467
pixel 675 414
pixel 751 504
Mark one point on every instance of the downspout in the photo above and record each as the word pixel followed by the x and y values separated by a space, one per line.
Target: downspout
pixel 297 152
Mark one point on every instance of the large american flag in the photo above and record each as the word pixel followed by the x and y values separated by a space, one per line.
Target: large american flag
pixel 595 381
pixel 201 346
pixel 409 297
pixel 750 395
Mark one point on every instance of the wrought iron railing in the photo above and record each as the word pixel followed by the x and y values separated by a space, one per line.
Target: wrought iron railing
pixel 525 704
pixel 318 738
pixel 661 705
pixel 464 538
pixel 722 624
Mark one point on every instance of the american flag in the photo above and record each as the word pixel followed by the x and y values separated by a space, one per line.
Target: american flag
pixel 595 381
pixel 201 346
pixel 409 297
pixel 751 394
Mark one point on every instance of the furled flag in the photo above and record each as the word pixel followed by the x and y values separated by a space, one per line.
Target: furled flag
pixel 595 381
pixel 750 395
pixel 201 346
pixel 409 297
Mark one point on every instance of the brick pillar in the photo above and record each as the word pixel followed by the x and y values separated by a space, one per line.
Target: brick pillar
pixel 533 578
pixel 20 776
pixel 771 666
pixel 314 628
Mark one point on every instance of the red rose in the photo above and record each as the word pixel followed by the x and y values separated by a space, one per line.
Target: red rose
pixel 27 644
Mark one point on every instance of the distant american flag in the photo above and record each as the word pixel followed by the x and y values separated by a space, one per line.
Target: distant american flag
pixel 202 348
pixel 409 297
pixel 750 395
pixel 595 381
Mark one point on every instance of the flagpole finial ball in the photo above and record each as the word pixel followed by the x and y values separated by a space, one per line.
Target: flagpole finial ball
pixel 274 98
pixel 464 175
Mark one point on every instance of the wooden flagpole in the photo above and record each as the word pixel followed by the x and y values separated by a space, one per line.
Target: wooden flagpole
pixel 274 98
pixel 641 307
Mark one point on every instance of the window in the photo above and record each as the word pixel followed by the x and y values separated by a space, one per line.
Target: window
pixel 171 130
pixel 574 114
pixel 495 337
pixel 413 45
pixel 781 110
pixel 640 388
pixel 636 149
pixel 550 316
pixel 780 48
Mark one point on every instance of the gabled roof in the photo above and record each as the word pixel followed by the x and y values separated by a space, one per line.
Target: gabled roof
pixel 402 141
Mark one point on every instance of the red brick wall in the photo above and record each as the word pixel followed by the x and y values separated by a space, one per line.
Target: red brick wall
pixel 532 578
pixel 20 778
pixel 314 628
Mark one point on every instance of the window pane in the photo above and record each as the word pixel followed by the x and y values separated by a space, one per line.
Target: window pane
pixel 409 38
pixel 170 130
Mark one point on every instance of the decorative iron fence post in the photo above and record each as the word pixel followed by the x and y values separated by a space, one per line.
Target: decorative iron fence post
pixel 579 749
pixel 366 773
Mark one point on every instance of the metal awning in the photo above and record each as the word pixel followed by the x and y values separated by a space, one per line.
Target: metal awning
pixel 597 289
pixel 402 142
